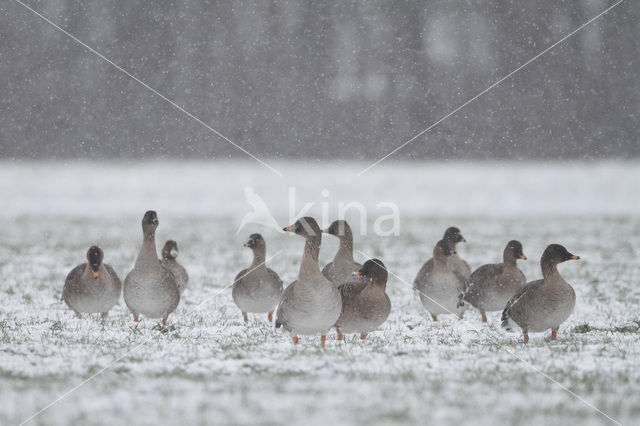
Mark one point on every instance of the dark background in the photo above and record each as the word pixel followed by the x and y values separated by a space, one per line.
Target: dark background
pixel 319 79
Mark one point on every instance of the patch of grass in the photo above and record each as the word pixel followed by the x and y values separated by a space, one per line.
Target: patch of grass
pixel 586 328
pixel 56 328
pixel 4 329
pixel 135 329
pixel 582 328
pixel 628 328
pixel 166 328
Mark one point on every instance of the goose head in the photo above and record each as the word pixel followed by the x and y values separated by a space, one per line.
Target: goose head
pixel 306 227
pixel 94 260
pixel 339 228
pixel 150 221
pixel 375 270
pixel 513 251
pixel 453 235
pixel 442 250
pixel 255 242
pixel 555 254
pixel 170 250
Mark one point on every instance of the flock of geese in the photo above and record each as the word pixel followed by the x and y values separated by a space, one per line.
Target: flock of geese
pixel 344 295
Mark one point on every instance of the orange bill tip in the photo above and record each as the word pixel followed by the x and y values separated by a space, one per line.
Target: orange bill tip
pixel 357 273
pixel 574 257
pixel 523 257
pixel 95 273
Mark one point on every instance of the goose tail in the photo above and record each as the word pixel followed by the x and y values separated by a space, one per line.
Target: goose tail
pixel 507 322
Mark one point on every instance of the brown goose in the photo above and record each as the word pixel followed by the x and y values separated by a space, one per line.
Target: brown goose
pixel 542 304
pixel 439 292
pixel 452 237
pixel 169 261
pixel 340 270
pixel 257 288
pixel 365 305
pixel 492 286
pixel 149 289
pixel 311 304
pixel 92 287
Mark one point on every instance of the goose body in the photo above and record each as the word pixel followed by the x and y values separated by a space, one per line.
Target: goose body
pixel 341 269
pixel 150 289
pixel 492 286
pixel 92 287
pixel 451 237
pixel 542 304
pixel 257 289
pixel 365 305
pixel 170 261
pixel 439 293
pixel 311 304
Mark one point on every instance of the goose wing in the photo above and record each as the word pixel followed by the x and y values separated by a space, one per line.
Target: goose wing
pixel 351 289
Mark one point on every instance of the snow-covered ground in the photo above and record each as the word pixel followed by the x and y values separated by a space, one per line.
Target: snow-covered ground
pixel 209 367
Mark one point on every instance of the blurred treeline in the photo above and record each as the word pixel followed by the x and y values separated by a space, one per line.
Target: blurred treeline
pixel 319 79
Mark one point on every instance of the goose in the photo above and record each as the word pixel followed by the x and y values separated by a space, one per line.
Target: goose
pixel 492 286
pixel 257 288
pixel 311 304
pixel 149 289
pixel 439 292
pixel 92 287
pixel 365 305
pixel 169 261
pixel 340 270
pixel 452 237
pixel 542 304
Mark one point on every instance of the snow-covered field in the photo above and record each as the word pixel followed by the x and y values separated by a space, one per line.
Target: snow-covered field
pixel 208 367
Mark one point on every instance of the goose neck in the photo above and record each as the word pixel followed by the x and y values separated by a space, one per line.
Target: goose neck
pixel 345 251
pixel 508 260
pixel 148 253
pixel 548 268
pixel 309 262
pixel 259 259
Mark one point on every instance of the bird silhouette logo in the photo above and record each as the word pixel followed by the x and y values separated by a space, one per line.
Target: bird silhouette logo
pixel 260 214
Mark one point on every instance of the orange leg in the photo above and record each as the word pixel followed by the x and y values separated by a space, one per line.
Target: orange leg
pixel 526 338
pixel 295 340
pixel 339 336
pixel 554 334
pixel 78 315
pixel 323 339
pixel 363 336
pixel 434 318
pixel 245 317
pixel 484 318
pixel 164 320
pixel 135 318
pixel 270 317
